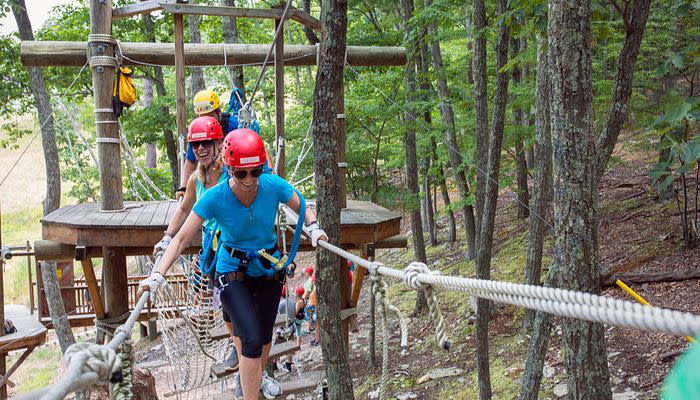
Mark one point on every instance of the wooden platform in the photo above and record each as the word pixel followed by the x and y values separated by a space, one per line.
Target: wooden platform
pixel 291 387
pixel 141 225
pixel 30 332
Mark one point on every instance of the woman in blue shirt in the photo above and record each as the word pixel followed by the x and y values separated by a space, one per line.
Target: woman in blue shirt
pixel 245 207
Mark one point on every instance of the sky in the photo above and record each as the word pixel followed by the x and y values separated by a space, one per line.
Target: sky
pixel 38 11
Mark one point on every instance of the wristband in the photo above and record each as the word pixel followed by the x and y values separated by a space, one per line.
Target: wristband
pixel 181 189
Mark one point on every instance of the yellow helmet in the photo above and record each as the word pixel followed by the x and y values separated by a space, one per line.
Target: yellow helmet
pixel 205 101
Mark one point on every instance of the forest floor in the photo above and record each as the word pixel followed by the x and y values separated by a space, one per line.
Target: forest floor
pixel 636 233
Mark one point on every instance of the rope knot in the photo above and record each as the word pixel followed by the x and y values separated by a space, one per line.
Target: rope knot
pixel 410 278
pixel 99 359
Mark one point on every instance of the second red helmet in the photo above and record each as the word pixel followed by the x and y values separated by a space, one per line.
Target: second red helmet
pixel 204 128
pixel 243 148
pixel 299 291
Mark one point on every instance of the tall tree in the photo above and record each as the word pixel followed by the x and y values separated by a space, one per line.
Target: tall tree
pixel 422 60
pixel 327 96
pixel 197 82
pixel 413 195
pixel 453 148
pixel 520 161
pixel 575 191
pixel 634 15
pixel 53 178
pixel 231 36
pixel 170 146
pixel 542 187
pixel 488 216
pixel 481 109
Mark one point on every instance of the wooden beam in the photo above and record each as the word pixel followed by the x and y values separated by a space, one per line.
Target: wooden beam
pixel 5 378
pixel 72 54
pixel 51 250
pixel 93 288
pixel 279 97
pixel 144 7
pixel 300 16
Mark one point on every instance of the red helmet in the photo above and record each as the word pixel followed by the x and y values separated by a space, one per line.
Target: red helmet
pixel 204 128
pixel 284 290
pixel 299 291
pixel 309 270
pixel 243 148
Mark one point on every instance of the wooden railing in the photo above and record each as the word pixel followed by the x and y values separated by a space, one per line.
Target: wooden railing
pixel 78 302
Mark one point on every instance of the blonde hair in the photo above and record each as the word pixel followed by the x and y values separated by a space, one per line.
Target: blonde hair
pixel 216 166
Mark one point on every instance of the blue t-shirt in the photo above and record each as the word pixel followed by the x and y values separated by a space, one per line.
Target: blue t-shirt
pixel 247 229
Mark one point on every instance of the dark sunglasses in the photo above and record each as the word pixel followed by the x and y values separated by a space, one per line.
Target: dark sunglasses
pixel 241 174
pixel 205 143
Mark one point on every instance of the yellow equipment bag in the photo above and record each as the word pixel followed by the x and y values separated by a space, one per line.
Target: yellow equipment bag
pixel 124 93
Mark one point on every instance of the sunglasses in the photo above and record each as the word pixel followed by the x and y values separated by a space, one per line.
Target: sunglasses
pixel 241 174
pixel 205 143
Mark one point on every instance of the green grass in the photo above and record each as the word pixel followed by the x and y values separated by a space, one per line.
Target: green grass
pixel 37 370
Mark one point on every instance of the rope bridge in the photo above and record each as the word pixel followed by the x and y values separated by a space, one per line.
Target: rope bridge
pixel 91 364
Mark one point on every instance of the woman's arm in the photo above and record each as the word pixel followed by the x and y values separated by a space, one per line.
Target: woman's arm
pixel 192 224
pixel 295 204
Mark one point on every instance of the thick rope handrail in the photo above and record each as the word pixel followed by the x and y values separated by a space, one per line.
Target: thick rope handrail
pixel 562 302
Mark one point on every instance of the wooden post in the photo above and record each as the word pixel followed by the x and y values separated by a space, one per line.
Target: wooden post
pixel 342 165
pixel 279 97
pixel 181 114
pixel 29 278
pixel 106 123
pixel 107 126
pixel 93 288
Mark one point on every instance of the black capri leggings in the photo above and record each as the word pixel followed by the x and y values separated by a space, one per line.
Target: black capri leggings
pixel 252 306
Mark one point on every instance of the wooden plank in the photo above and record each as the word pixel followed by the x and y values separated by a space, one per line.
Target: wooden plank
pixel 307 19
pixel 93 288
pixel 29 333
pixel 144 7
pixel 72 54
pixel 290 387
pixel 276 352
pixel 300 16
pixel 53 216
pixel 160 214
pixel 134 215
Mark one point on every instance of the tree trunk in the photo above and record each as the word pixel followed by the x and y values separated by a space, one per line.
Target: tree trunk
pixel 53 179
pixel 451 135
pixel 575 194
pixel 422 57
pixel 413 195
pixel 230 34
pixel 617 112
pixel 196 73
pixel 486 226
pixel 451 221
pixel 151 154
pixel 481 124
pixel 170 145
pixel 44 115
pixel 542 187
pixel 329 83
pixel 521 162
pixel 470 42
pixel 308 32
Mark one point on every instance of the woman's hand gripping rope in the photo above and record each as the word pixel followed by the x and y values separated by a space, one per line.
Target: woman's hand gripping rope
pixel 315 233
pixel 153 282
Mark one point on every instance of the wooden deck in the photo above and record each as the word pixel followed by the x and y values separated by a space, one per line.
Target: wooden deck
pixel 141 225
pixel 30 332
